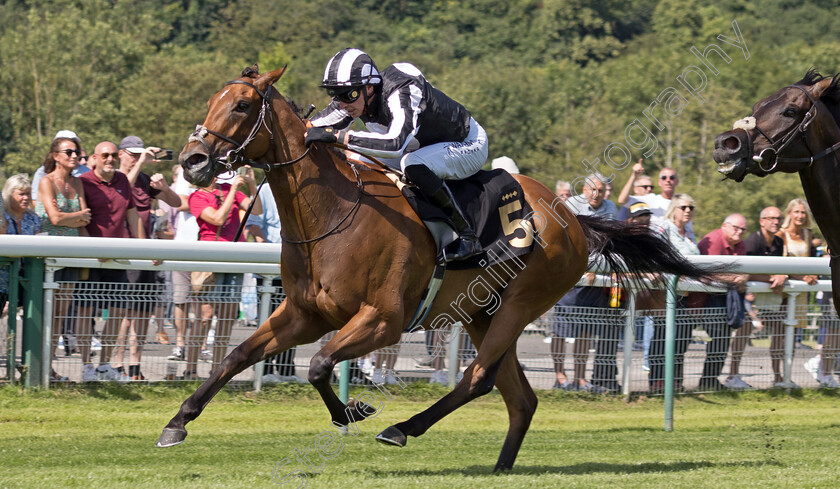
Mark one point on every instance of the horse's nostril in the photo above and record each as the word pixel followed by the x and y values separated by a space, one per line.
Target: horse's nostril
pixel 732 143
pixel 196 159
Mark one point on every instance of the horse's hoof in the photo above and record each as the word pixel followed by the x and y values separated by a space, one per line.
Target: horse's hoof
pixel 171 437
pixel 362 409
pixel 392 436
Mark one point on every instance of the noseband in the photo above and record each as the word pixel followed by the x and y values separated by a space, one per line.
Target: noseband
pixel 776 147
pixel 237 155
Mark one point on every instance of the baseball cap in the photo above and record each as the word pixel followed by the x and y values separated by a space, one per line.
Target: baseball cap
pixel 132 144
pixel 639 209
pixel 505 163
pixel 67 134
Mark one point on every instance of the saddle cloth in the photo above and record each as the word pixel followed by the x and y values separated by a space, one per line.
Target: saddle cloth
pixel 495 203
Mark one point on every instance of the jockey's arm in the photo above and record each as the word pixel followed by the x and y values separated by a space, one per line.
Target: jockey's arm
pixel 332 116
pixel 390 141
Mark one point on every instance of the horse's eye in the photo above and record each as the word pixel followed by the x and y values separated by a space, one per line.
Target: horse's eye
pixel 790 112
pixel 242 106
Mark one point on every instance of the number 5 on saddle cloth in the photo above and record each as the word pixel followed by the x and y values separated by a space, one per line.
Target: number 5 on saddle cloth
pixel 496 204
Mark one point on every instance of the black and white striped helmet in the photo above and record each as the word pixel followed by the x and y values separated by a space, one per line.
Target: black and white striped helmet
pixel 350 67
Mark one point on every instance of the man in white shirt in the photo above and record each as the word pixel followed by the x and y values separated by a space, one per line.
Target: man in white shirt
pixel 186 229
pixel 658 203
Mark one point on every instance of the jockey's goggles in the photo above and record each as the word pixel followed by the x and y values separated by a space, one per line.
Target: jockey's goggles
pixel 348 95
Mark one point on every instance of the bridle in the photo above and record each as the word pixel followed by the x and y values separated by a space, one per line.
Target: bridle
pixel 237 155
pixel 776 147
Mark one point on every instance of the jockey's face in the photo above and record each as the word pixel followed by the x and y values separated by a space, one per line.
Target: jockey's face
pixel 357 107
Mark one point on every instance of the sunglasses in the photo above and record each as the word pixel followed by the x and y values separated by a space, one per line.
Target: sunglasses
pixel 70 152
pixel 105 156
pixel 668 177
pixel 348 96
pixel 685 207
pixel 83 158
pixel 646 187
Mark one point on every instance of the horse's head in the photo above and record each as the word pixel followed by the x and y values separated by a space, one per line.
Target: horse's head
pixel 787 132
pixel 234 130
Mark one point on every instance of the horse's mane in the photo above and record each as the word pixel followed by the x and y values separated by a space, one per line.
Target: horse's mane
pixel 831 95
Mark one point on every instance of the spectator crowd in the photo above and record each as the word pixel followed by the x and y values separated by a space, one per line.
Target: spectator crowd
pixel 107 193
pixel 586 315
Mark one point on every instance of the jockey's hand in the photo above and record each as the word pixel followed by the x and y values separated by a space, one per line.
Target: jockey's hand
pixel 321 135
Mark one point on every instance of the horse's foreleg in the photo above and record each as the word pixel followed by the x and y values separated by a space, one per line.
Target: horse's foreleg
pixel 365 332
pixel 280 332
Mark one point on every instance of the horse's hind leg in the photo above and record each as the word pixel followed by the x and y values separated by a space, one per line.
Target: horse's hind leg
pixel 478 380
pixel 521 404
pixel 496 352
pixel 283 330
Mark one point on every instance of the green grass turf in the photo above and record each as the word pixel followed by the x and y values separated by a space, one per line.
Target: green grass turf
pixel 104 437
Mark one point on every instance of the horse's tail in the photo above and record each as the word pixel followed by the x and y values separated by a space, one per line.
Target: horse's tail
pixel 630 248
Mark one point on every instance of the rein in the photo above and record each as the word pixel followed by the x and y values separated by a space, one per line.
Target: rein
pixel 776 147
pixel 236 156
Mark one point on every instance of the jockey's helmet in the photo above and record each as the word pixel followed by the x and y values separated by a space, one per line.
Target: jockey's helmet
pixel 347 69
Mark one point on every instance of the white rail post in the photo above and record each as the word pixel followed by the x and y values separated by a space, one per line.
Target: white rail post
pixel 50 286
pixel 629 341
pixel 790 322
pixel 265 290
pixel 452 352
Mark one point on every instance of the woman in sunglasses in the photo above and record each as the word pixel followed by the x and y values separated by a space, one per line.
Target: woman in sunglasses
pixel 411 123
pixel 63 211
pixel 679 215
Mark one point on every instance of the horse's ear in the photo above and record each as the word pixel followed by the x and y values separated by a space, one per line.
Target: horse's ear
pixel 818 89
pixel 270 78
pixel 252 71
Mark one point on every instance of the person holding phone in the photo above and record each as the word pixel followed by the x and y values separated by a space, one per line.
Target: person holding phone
pixel 146 289
pixel 216 209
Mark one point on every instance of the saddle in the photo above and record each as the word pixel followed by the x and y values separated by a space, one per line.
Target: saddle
pixel 495 204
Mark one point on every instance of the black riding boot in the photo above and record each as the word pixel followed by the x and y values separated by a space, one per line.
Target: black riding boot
pixel 469 245
pixel 439 194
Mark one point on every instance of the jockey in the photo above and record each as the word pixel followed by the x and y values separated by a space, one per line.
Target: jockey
pixel 427 134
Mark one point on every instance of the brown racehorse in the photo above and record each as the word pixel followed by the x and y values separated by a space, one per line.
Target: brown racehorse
pixel 356 258
pixel 796 129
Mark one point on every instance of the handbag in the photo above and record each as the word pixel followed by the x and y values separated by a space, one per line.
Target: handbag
pixel 201 282
pixel 735 309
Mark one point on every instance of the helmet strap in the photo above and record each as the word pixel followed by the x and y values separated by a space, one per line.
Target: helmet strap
pixel 367 101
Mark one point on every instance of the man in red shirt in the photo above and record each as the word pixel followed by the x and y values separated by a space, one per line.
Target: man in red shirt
pixel 109 196
pixel 727 240
pixel 112 215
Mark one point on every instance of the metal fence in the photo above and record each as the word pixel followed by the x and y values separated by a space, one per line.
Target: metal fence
pixel 608 349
